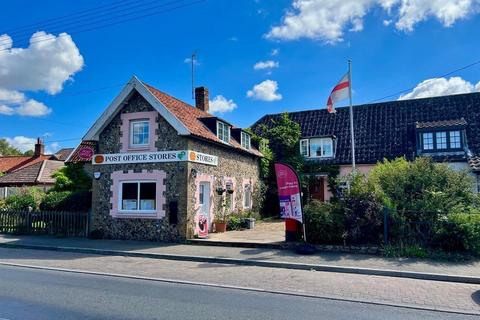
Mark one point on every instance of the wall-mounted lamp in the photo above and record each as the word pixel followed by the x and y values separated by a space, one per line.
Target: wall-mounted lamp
pixel 97 175
pixel 193 173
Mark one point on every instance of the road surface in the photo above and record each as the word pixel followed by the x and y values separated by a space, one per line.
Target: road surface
pixel 41 294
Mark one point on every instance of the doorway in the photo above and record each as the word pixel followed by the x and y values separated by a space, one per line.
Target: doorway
pixel 204 201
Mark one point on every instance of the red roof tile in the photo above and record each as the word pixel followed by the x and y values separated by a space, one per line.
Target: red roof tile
pixel 12 163
pixel 75 155
pixel 190 117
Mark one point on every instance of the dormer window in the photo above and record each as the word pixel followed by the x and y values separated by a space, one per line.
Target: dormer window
pixel 223 131
pixel 246 140
pixel 139 133
pixel 440 141
pixel 316 148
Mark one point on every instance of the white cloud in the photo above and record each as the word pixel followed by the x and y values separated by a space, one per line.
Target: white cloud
pixel 441 87
pixel 327 20
pixel 269 64
pixel 189 60
pixel 14 102
pixel 275 52
pixel 266 91
pixel 45 65
pixel 23 144
pixel 220 104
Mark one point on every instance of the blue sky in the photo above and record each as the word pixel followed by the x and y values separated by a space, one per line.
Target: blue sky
pixel 393 47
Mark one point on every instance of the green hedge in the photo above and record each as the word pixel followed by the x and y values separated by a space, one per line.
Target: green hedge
pixel 67 201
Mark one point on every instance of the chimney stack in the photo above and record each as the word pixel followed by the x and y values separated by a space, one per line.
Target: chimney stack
pixel 39 148
pixel 201 98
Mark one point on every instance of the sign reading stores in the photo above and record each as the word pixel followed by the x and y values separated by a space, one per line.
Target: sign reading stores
pixel 161 156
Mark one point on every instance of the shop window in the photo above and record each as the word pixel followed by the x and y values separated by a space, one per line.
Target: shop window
pixel 139 133
pixel 246 141
pixel 247 196
pixel 223 131
pixel 138 196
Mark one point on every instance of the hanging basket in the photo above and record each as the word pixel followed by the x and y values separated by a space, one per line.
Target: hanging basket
pixel 220 191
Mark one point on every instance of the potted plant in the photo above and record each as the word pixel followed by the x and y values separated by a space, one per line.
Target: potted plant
pixel 220 221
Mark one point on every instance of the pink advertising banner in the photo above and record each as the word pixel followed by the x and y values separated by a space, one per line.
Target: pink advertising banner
pixel 289 192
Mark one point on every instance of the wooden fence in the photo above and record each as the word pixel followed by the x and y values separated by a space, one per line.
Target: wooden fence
pixel 58 223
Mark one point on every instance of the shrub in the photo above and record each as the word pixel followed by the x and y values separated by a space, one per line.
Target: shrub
pixel 235 222
pixel 324 223
pixel 459 232
pixel 73 178
pixel 25 199
pixel 67 201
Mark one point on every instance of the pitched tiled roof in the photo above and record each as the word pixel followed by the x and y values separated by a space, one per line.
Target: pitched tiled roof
pixel 190 117
pixel 387 130
pixel 12 163
pixel 474 163
pixel 63 154
pixel 441 124
pixel 36 173
pixel 75 155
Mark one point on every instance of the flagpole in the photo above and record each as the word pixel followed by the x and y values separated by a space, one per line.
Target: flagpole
pixel 351 113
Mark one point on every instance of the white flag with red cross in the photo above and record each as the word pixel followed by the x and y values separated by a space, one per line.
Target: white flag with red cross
pixel 340 92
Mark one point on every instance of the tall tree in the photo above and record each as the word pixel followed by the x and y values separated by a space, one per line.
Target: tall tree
pixel 8 150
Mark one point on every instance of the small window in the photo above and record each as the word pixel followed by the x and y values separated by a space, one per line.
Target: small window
pixel 441 140
pixel 304 147
pixel 321 147
pixel 223 131
pixel 455 141
pixel 427 141
pixel 246 140
pixel 139 133
pixel 247 196
pixel 138 196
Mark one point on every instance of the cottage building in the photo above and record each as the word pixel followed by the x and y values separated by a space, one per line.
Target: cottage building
pixel 17 172
pixel 445 128
pixel 163 169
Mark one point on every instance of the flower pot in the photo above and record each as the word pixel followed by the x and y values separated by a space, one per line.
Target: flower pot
pixel 220 226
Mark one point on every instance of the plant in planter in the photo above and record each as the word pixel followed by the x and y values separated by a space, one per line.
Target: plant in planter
pixel 220 221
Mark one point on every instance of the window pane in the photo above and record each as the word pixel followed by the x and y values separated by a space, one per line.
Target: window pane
pixel 455 141
pixel 140 132
pixel 202 194
pixel 129 196
pixel 147 195
pixel 315 147
pixel 428 141
pixel 304 148
pixel 441 140
pixel 327 148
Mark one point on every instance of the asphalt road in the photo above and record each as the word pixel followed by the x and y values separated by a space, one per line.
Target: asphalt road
pixel 40 294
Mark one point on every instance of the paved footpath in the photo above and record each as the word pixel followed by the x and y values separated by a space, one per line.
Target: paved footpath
pixel 467 269
pixel 412 293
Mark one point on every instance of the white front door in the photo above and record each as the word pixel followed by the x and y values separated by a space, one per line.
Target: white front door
pixel 204 199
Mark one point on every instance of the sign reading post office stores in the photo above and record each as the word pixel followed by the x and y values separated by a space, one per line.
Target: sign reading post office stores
pixel 151 157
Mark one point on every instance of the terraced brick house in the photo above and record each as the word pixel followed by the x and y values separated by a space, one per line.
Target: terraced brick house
pixel 445 128
pixel 163 169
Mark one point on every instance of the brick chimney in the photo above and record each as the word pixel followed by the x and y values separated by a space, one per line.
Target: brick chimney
pixel 39 148
pixel 201 98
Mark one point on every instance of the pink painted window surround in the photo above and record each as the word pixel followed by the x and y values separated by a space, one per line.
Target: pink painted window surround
pixel 127 119
pixel 119 177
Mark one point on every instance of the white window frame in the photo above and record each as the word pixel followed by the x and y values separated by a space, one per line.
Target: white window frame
pixel 139 145
pixel 322 143
pixel 138 211
pixel 246 140
pixel 444 143
pixel 221 132
pixel 305 143
pixel 249 186
pixel 451 136
pixel 432 138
